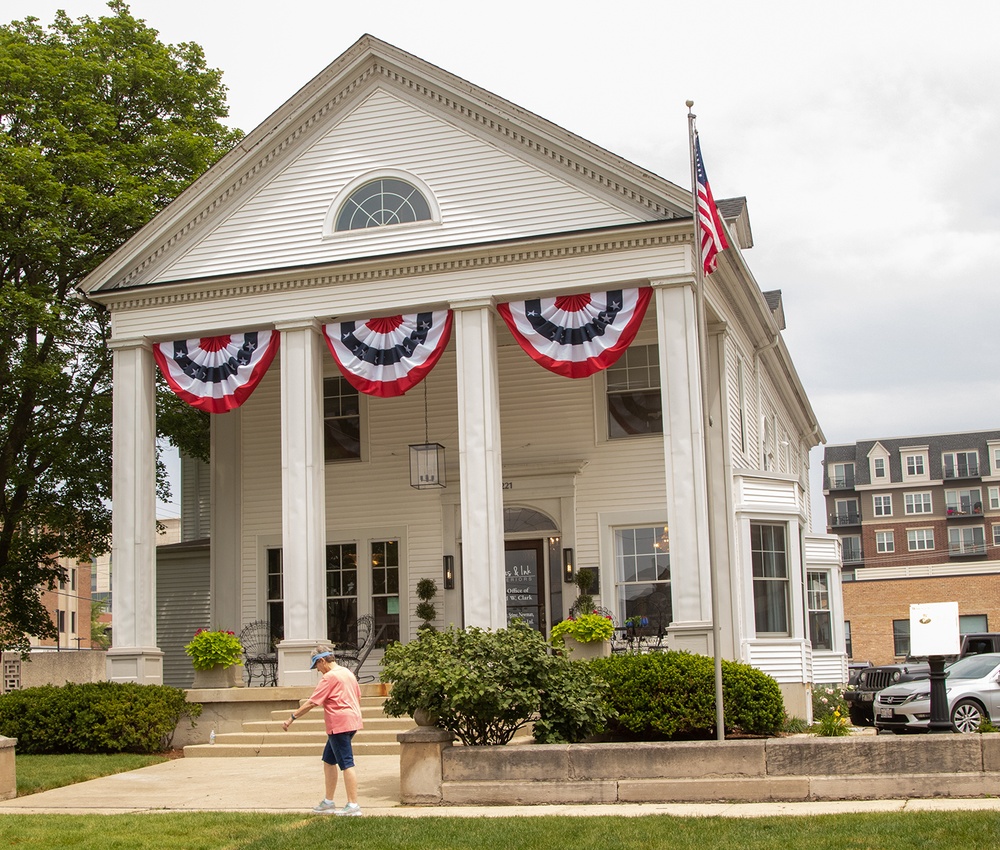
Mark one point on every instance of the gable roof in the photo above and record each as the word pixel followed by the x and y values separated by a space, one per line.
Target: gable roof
pixel 167 248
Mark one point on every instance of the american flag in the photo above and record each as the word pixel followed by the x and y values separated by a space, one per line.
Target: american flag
pixel 713 235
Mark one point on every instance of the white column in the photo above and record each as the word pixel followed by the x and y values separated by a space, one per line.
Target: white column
pixel 134 657
pixel 484 588
pixel 226 518
pixel 303 499
pixel 684 451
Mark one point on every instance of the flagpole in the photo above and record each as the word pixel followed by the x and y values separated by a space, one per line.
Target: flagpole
pixel 720 728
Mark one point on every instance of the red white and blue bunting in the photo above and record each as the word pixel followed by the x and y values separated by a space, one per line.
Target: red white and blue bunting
pixel 387 356
pixel 217 373
pixel 577 335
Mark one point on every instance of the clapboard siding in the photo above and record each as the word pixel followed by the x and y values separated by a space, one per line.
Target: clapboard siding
pixel 484 193
pixel 785 661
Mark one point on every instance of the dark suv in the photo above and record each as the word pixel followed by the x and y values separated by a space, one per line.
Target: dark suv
pixel 873 679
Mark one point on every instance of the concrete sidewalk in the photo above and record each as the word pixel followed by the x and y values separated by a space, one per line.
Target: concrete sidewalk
pixel 294 785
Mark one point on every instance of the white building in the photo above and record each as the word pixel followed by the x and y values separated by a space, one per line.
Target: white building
pixel 313 518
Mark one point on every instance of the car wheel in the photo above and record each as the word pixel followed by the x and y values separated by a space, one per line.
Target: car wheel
pixel 966 716
pixel 860 718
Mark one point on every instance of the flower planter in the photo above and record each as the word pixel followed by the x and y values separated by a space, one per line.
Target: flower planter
pixel 219 677
pixel 585 651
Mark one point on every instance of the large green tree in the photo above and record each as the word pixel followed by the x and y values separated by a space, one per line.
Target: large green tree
pixel 101 126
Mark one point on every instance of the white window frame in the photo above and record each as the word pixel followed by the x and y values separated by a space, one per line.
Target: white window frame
pixel 994 498
pixel 653 362
pixel 844 478
pixel 967 453
pixel 915 466
pixel 777 581
pixel 963 547
pixel 954 501
pixel 912 506
pixel 882 504
pixel 878 467
pixel 885 542
pixel 919 539
pixel 819 605
pixel 996 534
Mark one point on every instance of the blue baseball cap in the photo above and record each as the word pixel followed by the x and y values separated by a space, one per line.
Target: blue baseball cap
pixel 317 657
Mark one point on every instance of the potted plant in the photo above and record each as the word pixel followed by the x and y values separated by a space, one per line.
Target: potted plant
pixel 585 635
pixel 215 656
pixel 425 610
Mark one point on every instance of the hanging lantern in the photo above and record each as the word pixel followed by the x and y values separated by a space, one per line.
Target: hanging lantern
pixel 427 460
pixel 427 466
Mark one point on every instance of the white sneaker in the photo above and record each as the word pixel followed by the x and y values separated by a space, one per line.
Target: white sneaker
pixel 326 807
pixel 350 809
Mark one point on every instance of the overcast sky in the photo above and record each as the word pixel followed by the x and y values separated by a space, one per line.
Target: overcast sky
pixel 864 135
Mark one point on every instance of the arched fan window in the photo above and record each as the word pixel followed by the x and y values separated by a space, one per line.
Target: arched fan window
pixel 383 201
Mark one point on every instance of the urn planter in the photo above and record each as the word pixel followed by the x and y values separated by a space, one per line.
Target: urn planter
pixel 580 651
pixel 219 677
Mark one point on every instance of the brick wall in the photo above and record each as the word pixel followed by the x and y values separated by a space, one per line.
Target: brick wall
pixel 871 606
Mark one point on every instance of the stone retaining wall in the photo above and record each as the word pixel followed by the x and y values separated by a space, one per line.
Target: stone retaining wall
pixel 777 769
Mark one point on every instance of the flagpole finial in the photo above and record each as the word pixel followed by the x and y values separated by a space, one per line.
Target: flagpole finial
pixel 689 103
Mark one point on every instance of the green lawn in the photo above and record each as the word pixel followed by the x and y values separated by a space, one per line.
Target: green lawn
pixel 40 773
pixel 191 831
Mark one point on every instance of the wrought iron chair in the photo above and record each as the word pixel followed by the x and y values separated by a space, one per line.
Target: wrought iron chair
pixel 352 656
pixel 260 658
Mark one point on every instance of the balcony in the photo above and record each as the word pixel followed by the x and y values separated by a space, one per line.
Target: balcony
pixel 964 510
pixel 843 519
pixel 967 550
pixel 852 555
pixel 842 482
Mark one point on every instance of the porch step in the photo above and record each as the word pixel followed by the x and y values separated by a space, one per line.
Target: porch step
pixel 306 737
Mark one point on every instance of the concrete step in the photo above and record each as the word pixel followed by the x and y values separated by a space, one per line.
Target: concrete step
pixel 316 725
pixel 314 749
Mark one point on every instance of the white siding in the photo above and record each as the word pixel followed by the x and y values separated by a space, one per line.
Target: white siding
pixel 785 661
pixel 484 194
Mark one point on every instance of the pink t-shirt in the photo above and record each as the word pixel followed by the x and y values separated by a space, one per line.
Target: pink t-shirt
pixel 339 693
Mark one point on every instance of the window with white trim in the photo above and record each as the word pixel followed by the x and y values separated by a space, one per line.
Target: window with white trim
pixel 994 498
pixel 917 503
pixel 996 460
pixel 842 476
pixel 878 467
pixel 919 539
pixel 967 540
pixel 818 601
pixel 341 420
pixel 961 464
pixel 885 542
pixel 633 393
pixel 963 502
pixel 851 548
pixel 901 638
pixel 882 505
pixel 914 465
pixel 342 593
pixel 275 603
pixel 385 587
pixel 996 534
pixel 642 575
pixel 769 559
pixel 382 202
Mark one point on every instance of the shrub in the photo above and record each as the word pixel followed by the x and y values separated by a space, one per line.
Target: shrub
pixel 95 717
pixel 664 695
pixel 832 725
pixel 484 685
pixel 572 704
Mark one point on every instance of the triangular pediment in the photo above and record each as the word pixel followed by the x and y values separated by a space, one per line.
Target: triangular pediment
pixel 494 171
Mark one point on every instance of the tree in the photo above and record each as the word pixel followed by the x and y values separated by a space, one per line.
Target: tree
pixel 101 126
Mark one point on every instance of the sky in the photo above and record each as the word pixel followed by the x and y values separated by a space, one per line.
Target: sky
pixel 864 136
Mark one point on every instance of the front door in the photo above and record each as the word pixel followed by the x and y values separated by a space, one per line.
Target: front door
pixel 525 570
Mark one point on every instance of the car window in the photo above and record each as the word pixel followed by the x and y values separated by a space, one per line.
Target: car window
pixel 973 666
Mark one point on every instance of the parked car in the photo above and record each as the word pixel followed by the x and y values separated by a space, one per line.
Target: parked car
pixel 860 697
pixel 854 669
pixel 973 686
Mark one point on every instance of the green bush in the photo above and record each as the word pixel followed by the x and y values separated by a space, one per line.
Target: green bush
pixel 484 685
pixel 666 695
pixel 97 717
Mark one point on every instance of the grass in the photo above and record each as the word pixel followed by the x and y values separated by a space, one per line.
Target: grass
pixel 247 831
pixel 40 773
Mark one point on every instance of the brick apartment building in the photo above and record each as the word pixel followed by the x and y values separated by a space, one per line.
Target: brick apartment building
pixel 919 521
pixel 68 604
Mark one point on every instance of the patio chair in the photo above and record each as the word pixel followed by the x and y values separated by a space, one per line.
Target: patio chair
pixel 260 658
pixel 352 656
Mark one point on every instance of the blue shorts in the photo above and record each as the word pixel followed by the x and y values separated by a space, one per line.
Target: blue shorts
pixel 338 750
